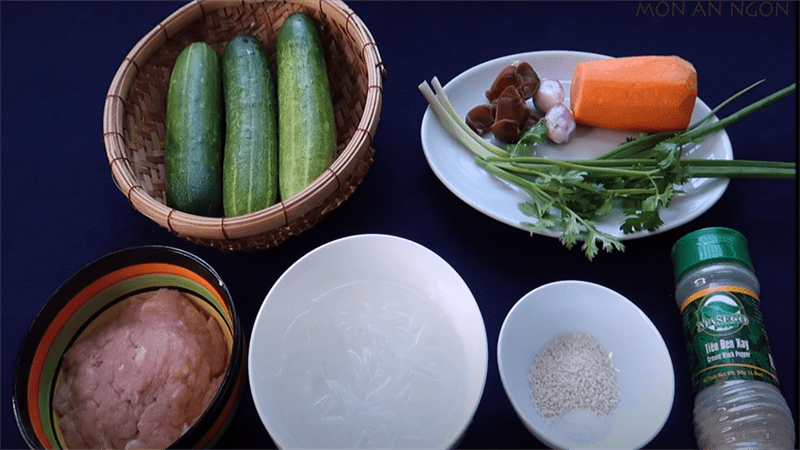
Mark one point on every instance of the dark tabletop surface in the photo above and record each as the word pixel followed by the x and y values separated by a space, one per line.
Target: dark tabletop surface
pixel 61 210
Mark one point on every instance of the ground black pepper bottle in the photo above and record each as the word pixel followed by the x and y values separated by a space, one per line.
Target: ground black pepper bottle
pixel 737 401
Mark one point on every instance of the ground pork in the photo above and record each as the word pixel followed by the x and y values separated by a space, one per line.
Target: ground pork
pixel 141 379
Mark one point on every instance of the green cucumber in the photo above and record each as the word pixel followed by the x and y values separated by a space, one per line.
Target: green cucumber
pixel 250 158
pixel 306 128
pixel 193 152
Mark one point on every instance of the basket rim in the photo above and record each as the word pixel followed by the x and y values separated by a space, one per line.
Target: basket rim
pixel 283 211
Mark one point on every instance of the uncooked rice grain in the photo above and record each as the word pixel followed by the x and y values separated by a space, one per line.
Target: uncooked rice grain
pixel 574 373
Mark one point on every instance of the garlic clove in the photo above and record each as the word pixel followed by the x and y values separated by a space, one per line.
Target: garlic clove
pixel 549 94
pixel 560 123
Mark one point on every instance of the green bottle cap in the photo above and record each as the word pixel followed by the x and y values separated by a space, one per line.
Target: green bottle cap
pixel 709 244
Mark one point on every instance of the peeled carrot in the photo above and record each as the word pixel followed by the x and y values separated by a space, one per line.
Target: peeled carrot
pixel 635 93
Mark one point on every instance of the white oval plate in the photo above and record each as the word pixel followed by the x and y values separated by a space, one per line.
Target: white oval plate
pixel 645 374
pixel 368 341
pixel 454 164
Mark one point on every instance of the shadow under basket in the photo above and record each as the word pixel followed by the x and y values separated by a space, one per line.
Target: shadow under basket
pixel 134 116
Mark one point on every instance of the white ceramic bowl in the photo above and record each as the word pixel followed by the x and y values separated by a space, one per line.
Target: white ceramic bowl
pixel 645 375
pixel 368 341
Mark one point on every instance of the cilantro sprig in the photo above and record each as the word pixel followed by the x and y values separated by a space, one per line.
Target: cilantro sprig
pixel 641 176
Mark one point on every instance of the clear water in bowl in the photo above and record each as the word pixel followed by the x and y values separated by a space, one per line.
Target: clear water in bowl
pixel 372 364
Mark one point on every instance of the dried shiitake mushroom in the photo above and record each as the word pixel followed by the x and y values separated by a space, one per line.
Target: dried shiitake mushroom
pixel 507 116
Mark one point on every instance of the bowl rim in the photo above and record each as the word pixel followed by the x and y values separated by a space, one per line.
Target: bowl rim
pixel 502 336
pixel 484 347
pixel 227 393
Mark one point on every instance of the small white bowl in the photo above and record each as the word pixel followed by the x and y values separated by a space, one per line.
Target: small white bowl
pixel 645 375
pixel 368 341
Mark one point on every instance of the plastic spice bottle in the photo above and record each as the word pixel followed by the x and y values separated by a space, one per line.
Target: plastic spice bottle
pixel 737 401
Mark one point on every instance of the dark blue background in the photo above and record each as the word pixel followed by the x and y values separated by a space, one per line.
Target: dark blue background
pixel 61 210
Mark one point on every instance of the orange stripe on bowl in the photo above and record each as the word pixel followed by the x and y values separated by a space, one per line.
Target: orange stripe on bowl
pixel 186 273
pixel 74 304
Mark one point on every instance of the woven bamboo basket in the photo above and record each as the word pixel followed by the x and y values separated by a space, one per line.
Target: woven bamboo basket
pixel 135 114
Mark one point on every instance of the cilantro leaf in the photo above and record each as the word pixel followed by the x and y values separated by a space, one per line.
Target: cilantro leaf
pixel 533 136
pixel 607 242
pixel 640 221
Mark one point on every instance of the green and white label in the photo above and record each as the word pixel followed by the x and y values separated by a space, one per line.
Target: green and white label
pixel 725 337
